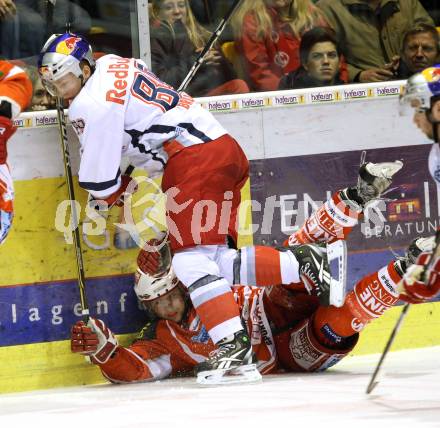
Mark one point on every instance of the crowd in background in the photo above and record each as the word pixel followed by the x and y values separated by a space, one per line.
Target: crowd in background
pixel 267 45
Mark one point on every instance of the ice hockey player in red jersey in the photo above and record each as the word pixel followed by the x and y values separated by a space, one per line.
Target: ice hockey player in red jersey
pixel 15 96
pixel 289 329
pixel 120 109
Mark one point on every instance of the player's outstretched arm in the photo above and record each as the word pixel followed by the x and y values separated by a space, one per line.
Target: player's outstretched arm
pixel 94 340
pixel 117 364
pixel 417 286
pixel 335 219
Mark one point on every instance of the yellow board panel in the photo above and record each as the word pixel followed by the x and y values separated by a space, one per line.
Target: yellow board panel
pixel 36 251
pixel 421 328
pixel 47 365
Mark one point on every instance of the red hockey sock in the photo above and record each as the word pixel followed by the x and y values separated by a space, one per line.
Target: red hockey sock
pixel 332 221
pixel 214 303
pixel 261 266
pixel 369 299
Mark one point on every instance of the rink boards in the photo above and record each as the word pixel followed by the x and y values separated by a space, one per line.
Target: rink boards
pixel 299 152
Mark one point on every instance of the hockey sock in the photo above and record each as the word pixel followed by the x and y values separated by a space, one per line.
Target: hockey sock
pixel 262 266
pixel 369 299
pixel 332 221
pixel 214 303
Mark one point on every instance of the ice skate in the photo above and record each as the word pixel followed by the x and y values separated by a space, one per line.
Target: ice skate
pixel 314 270
pixel 231 363
pixel 375 178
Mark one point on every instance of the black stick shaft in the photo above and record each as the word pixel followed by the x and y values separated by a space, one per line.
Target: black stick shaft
pixel 373 381
pixel 74 214
pixel 435 253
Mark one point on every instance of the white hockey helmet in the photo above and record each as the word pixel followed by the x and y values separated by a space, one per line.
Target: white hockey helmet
pixel 420 89
pixel 148 287
pixel 62 54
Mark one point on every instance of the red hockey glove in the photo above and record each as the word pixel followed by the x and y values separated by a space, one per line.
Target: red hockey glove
pixel 415 290
pixel 152 261
pixel 117 198
pixel 94 339
pixel 7 129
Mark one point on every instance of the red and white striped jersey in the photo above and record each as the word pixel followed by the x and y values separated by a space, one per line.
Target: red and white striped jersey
pixel 125 110
pixel 166 348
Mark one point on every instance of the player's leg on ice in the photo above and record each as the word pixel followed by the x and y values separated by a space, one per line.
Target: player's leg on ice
pixel 336 218
pixel 202 206
pixel 324 338
pixel 369 299
pixel 213 300
pixel 301 267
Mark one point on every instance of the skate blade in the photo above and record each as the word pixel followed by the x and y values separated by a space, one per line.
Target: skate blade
pixel 337 260
pixel 242 374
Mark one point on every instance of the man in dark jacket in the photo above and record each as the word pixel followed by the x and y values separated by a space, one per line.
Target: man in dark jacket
pixel 320 61
pixel 420 50
pixel 370 33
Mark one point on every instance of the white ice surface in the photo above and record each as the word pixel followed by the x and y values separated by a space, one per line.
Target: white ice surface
pixel 407 396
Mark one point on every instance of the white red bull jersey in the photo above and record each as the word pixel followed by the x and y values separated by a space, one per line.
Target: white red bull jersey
pixel 166 348
pixel 124 110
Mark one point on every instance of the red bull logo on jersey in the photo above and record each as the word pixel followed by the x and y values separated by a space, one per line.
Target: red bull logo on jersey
pixel 67 46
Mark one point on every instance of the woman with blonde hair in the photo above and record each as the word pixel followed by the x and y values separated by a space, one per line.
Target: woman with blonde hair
pixel 176 40
pixel 268 34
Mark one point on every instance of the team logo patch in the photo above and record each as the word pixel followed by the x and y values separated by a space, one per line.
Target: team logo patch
pixel 330 334
pixel 79 125
pixel 202 337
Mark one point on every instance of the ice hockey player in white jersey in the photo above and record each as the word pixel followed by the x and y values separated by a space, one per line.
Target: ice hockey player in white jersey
pixel 422 94
pixel 118 108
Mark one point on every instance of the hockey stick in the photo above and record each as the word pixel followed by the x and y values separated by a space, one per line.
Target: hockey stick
pixel 214 36
pixel 69 181
pixel 375 377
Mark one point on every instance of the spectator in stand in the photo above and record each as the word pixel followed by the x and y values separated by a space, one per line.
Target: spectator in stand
pixel 268 34
pixel 176 40
pixel 23 24
pixel 41 99
pixel 421 49
pixel 370 33
pixel 320 61
pixel 210 12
